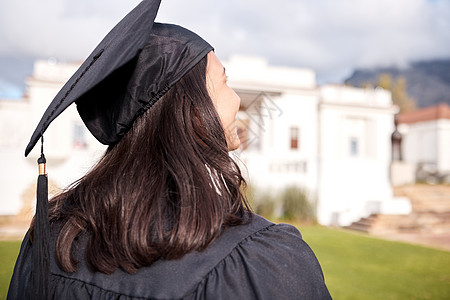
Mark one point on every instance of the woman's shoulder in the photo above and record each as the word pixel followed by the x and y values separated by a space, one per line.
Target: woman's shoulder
pixel 259 234
pixel 271 262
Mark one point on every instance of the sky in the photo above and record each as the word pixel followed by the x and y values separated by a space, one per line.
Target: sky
pixel 332 37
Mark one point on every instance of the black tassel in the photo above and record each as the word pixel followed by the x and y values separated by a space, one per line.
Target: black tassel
pixel 41 257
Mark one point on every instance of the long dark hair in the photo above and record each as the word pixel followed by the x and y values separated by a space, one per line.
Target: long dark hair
pixel 167 188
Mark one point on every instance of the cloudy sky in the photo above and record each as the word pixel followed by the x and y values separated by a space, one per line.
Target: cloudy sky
pixel 331 36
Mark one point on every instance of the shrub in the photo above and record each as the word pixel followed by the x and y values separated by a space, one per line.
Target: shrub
pixel 297 205
pixel 262 202
pixel 291 204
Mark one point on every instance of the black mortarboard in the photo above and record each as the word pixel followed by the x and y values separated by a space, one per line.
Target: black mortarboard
pixel 133 66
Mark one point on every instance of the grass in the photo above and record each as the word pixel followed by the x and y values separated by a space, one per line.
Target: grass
pixel 355 266
pixel 360 267
pixel 8 254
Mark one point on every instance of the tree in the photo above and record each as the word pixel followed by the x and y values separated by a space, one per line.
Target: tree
pixel 397 87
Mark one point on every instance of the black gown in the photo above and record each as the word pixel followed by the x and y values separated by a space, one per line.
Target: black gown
pixel 259 260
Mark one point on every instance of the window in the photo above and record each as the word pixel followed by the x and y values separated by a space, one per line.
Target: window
pixel 354 147
pixel 79 139
pixel 358 137
pixel 294 133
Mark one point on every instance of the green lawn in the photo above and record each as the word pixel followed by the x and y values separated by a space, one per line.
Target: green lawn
pixel 360 267
pixel 355 266
pixel 8 254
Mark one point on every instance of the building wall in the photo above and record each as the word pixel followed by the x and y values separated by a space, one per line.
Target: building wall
pixel 344 149
pixel 354 156
pixel 274 164
pixel 275 100
pixel 427 142
pixel 443 147
pixel 67 158
pixel 14 178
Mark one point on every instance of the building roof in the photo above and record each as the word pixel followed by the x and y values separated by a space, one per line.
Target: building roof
pixel 440 111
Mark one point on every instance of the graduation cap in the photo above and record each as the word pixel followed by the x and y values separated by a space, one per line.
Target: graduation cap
pixel 133 66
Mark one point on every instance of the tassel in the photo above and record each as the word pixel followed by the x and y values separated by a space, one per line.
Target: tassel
pixel 41 257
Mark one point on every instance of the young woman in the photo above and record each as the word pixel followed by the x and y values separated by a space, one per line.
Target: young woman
pixel 162 215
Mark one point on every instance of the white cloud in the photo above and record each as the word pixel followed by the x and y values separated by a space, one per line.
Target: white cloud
pixel 328 35
pixel 66 29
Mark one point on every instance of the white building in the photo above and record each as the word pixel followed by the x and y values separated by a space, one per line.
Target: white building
pixel 69 147
pixel 332 140
pixel 426 138
pixel 354 153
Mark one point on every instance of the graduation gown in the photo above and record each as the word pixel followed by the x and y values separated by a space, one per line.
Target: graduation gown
pixel 259 260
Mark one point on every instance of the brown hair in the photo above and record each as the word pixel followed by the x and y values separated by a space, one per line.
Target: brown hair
pixel 167 188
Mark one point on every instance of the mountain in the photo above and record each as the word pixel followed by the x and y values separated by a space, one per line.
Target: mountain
pixel 428 82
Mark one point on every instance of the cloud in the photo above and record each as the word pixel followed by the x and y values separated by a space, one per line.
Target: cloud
pixel 66 29
pixel 332 37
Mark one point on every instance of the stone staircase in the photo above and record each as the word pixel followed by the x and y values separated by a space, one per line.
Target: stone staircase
pixel 430 213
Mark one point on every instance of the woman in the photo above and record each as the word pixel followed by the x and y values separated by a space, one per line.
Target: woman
pixel 162 215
